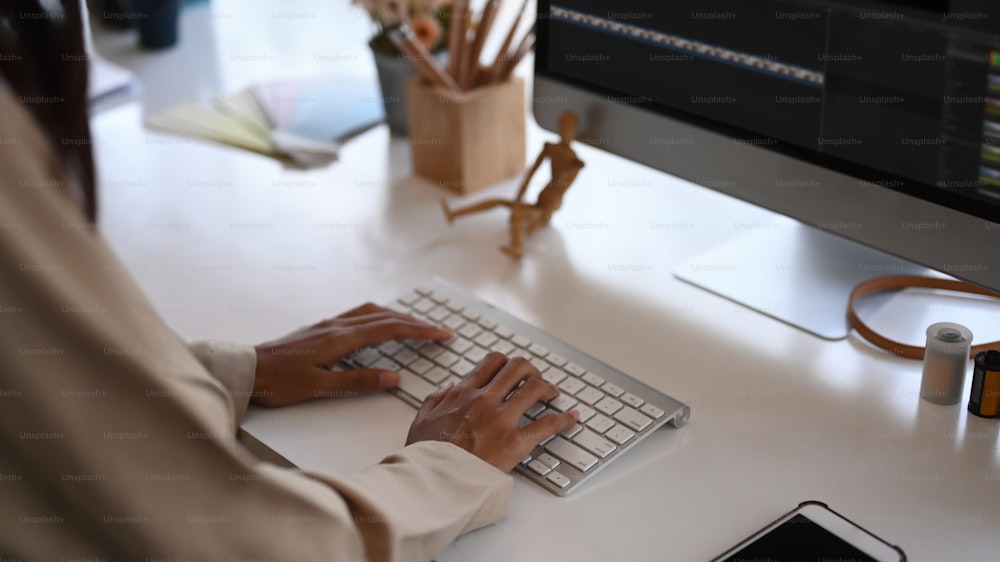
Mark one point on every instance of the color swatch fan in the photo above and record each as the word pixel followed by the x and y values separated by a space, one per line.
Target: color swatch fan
pixel 300 122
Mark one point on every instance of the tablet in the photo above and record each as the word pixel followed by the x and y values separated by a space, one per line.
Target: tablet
pixel 813 531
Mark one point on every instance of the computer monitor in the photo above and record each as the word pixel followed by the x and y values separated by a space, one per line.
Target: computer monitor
pixel 875 125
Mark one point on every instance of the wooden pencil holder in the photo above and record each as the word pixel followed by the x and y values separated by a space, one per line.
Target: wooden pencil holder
pixel 466 141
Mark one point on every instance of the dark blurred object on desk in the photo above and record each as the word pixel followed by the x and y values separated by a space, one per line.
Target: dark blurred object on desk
pixel 156 20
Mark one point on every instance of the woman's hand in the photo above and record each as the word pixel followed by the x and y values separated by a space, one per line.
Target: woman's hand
pixel 298 366
pixel 481 414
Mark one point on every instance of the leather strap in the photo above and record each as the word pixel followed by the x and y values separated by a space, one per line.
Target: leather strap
pixel 895 283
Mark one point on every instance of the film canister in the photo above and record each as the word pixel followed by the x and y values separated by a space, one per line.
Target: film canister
pixel 985 398
pixel 946 360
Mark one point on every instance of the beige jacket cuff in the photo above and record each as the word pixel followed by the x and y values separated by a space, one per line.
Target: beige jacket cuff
pixel 420 498
pixel 233 365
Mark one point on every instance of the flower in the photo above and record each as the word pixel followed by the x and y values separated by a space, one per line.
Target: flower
pixel 427 30
pixel 428 19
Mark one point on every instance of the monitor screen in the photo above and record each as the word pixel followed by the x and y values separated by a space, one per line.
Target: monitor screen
pixel 849 100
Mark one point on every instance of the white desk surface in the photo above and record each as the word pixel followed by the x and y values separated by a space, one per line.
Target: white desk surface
pixel 229 245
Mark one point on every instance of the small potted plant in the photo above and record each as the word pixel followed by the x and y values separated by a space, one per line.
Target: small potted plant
pixel 429 20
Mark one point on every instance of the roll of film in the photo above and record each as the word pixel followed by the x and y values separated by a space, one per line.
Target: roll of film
pixel 984 399
pixel 946 360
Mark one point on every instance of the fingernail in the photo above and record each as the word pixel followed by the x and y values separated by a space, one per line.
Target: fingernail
pixel 388 379
pixel 575 414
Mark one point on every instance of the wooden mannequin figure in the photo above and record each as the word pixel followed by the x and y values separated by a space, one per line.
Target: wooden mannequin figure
pixel 526 217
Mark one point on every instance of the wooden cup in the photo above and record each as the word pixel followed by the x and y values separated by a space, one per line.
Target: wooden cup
pixel 469 140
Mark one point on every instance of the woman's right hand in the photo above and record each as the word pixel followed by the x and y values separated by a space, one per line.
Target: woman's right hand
pixel 481 413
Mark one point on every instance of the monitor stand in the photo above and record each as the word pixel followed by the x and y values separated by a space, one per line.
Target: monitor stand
pixel 792 272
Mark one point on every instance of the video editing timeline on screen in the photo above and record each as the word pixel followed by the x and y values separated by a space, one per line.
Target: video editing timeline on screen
pixel 893 92
pixel 989 171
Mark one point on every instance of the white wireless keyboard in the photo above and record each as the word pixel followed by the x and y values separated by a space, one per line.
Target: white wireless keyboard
pixel 616 411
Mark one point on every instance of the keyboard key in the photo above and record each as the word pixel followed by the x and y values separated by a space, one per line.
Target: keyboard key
pixel 570 453
pixel 438 314
pixel 462 368
pixel 415 386
pixel 535 409
pixel 652 411
pixel 571 386
pixel 594 443
pixel 409 298
pixel 452 380
pixel 555 359
pixel 539 364
pixel 526 460
pixel 390 348
pixel 523 421
pixel 470 330
pixel 520 341
pixel 436 375
pixel 563 402
pixel 486 339
pixel 423 306
pixel 420 366
pixel 430 350
pixel 367 356
pixel 574 369
pixel 548 460
pixel 538 350
pixel 446 359
pixel 632 400
pixel 600 423
pixel 554 376
pixel 558 479
pixel 539 467
pixel 405 356
pixel 502 346
pixel 586 412
pixel 593 379
pixel 518 352
pixel 504 332
pixel 415 345
pixel 487 323
pixel 454 305
pixel 608 406
pixel 619 434
pixel 545 412
pixel 613 389
pixel 633 419
pixel 476 354
pixel 589 395
pixel 422 290
pixel 398 307
pixel 385 364
pixel 438 297
pixel 454 322
pixel 569 433
pixel 470 315
pixel 458 345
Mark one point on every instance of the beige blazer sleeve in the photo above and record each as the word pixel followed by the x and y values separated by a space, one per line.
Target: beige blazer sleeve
pixel 116 443
pixel 233 365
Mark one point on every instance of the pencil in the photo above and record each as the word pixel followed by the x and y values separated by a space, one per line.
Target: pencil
pixel 523 49
pixel 493 71
pixel 482 31
pixel 401 36
pixel 456 38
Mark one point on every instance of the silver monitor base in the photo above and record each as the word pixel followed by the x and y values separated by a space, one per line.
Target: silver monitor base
pixel 792 272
